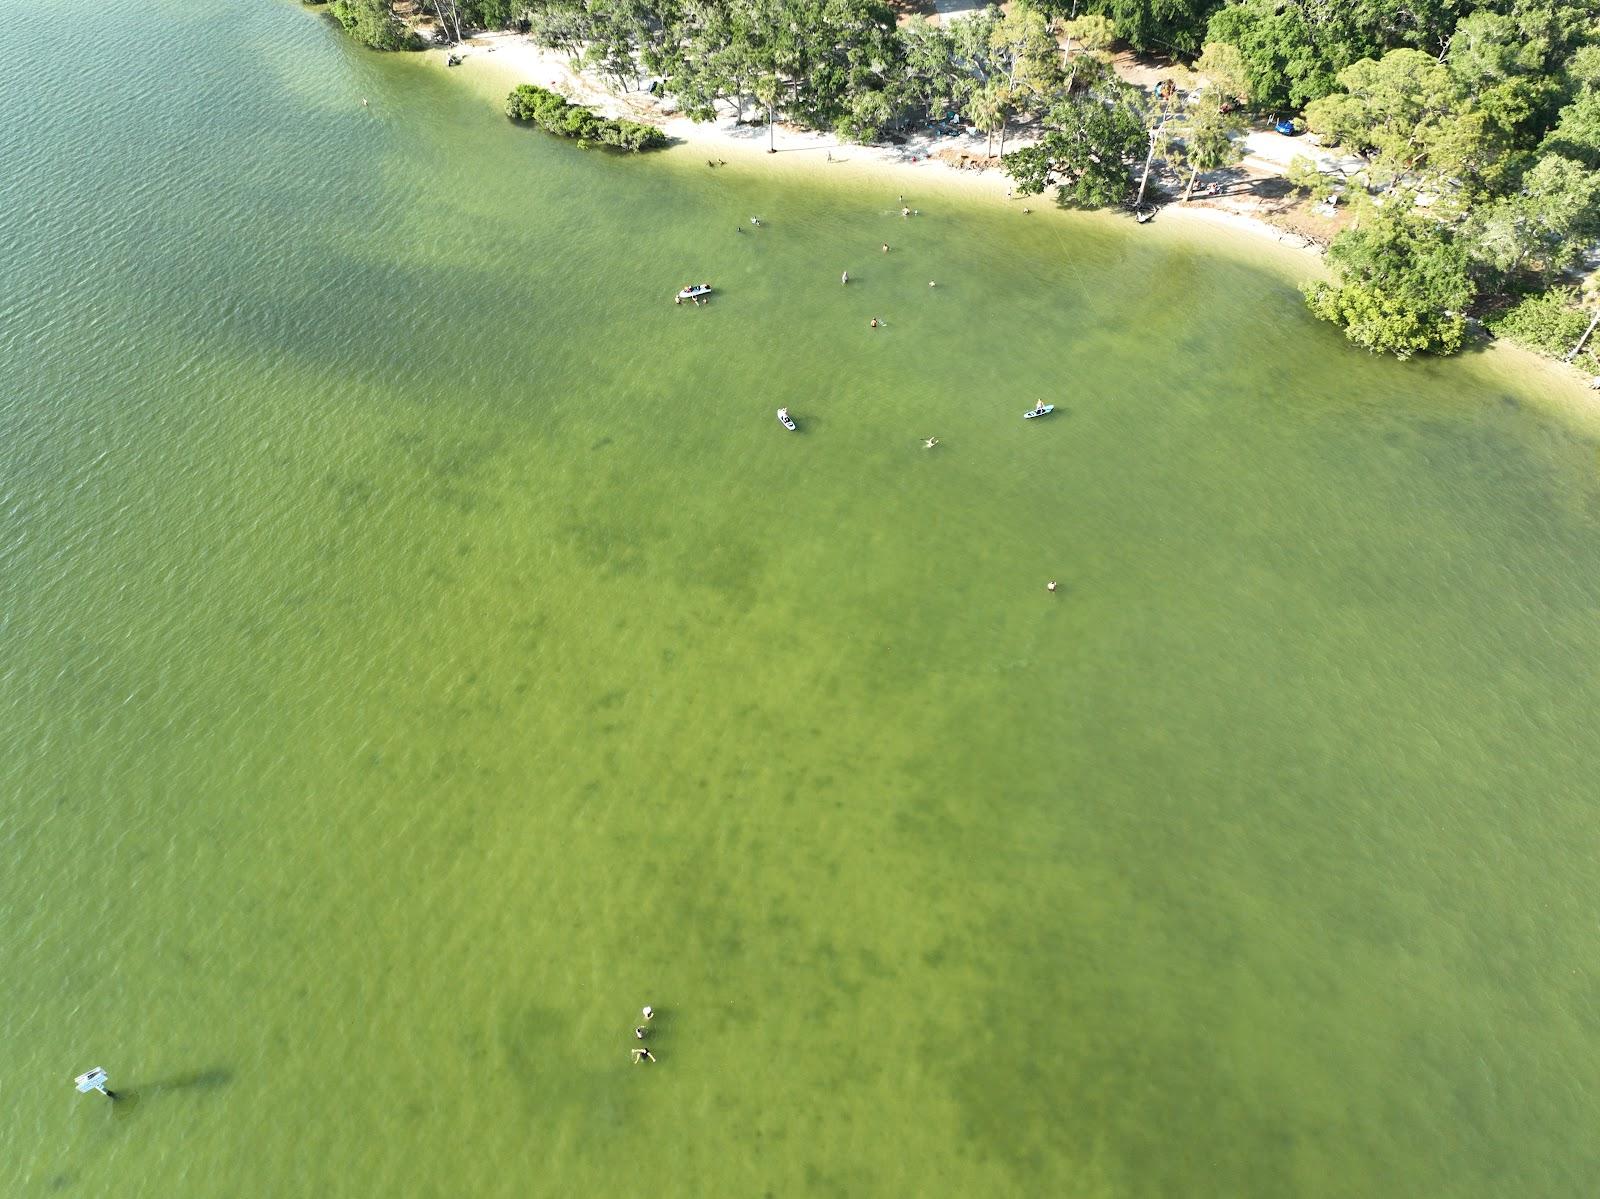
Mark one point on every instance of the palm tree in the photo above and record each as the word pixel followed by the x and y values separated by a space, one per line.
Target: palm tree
pixel 987 110
pixel 767 91
pixel 1208 138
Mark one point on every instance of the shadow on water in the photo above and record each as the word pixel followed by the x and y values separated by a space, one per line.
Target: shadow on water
pixel 130 1097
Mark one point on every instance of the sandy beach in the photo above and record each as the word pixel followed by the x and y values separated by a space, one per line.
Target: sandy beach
pixel 503 60
pixel 497 62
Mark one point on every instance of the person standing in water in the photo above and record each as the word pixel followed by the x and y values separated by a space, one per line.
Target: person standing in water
pixel 844 278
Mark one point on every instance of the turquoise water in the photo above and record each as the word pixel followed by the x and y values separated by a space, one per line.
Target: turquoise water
pixel 421 647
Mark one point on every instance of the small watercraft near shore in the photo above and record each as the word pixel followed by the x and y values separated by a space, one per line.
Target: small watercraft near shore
pixel 786 420
pixel 693 292
pixel 1045 411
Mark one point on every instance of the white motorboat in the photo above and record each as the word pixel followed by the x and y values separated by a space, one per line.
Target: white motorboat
pixel 786 420
pixel 694 291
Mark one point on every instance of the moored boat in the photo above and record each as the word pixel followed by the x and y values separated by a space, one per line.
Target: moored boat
pixel 694 291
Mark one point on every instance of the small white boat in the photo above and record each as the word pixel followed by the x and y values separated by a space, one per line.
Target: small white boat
pixel 694 291
pixel 785 419
pixel 1045 411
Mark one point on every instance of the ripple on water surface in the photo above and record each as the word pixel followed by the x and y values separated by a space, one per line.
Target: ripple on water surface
pixel 422 647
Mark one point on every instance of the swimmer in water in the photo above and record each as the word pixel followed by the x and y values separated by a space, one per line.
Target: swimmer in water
pixel 642 1055
pixel 844 278
pixel 874 322
pixel 1050 586
pixel 885 247
pixel 930 442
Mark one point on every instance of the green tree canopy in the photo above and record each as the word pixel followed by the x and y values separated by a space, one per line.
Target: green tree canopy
pixel 1208 137
pixel 1088 146
pixel 1394 105
pixel 1577 131
pixel 1401 282
pixel 373 23
pixel 1157 25
pixel 1545 228
pixel 554 113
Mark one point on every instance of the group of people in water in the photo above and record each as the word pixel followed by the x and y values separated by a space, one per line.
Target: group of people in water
pixel 641 1053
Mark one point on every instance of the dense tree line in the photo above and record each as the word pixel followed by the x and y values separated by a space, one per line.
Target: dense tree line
pixel 1482 191
pixel 1479 120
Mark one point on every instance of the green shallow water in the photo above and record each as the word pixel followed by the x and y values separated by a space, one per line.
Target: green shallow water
pixel 419 647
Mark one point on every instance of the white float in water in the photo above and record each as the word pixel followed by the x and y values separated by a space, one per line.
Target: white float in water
pixel 94 1080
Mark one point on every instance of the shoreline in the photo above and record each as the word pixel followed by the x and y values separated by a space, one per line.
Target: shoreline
pixel 495 62
pixel 511 58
